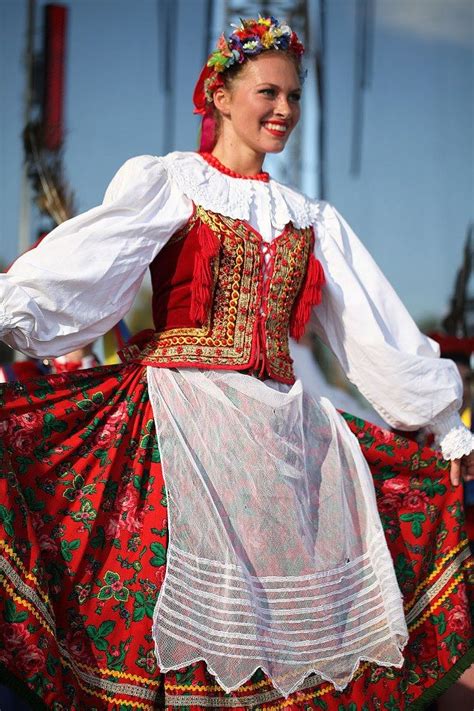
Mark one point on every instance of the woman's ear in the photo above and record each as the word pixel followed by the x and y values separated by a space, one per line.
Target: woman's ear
pixel 221 98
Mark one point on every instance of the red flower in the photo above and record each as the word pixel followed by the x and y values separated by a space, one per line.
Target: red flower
pixel 106 435
pixel 390 502
pixel 397 486
pixel 15 635
pixel 415 500
pixel 119 415
pixel 458 619
pixel 23 441
pixel 78 647
pixel 28 421
pixel 5 658
pixel 47 544
pixel 129 500
pixel 160 575
pixel 30 660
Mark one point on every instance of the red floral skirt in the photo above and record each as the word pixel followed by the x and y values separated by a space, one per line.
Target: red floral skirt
pixel 83 535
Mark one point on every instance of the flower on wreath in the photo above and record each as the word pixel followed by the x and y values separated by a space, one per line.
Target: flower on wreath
pixel 248 39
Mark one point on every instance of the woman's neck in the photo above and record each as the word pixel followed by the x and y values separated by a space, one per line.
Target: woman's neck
pixel 244 162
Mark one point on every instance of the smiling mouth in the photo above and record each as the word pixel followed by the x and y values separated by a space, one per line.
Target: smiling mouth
pixel 276 129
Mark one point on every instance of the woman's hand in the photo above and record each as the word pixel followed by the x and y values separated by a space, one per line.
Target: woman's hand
pixel 462 469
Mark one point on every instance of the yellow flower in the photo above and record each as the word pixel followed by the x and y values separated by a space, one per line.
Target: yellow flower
pixel 267 40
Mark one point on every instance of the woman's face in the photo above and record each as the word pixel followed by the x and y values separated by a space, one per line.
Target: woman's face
pixel 262 105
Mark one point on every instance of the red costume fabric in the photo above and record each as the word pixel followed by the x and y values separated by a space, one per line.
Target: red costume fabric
pixel 83 536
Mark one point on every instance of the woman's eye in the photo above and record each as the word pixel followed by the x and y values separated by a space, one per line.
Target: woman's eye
pixel 268 92
pixel 296 97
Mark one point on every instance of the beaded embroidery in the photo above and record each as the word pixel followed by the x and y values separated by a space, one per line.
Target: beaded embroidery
pixel 247 324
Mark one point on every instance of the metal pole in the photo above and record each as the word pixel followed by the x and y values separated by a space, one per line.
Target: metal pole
pixel 24 230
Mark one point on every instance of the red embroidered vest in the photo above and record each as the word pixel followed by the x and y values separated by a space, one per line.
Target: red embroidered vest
pixel 225 299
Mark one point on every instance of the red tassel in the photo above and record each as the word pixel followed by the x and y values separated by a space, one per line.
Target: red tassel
pixel 308 296
pixel 203 279
pixel 208 136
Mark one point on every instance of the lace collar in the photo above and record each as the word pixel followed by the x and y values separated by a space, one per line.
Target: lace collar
pixel 237 197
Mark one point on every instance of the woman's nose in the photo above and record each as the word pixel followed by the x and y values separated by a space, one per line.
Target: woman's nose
pixel 283 107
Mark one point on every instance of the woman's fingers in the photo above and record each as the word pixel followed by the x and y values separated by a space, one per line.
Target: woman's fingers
pixel 462 469
pixel 455 473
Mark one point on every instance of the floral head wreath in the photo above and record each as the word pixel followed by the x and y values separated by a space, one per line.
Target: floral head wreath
pixel 247 40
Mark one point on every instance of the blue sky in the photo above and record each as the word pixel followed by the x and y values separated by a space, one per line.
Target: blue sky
pixel 415 195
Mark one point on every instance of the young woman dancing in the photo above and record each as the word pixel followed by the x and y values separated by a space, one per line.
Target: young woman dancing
pixel 190 529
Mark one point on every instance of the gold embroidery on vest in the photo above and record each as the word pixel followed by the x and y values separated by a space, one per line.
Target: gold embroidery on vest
pixel 242 299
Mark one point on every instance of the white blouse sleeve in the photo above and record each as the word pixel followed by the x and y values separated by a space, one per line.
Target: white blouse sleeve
pixel 82 278
pixel 379 346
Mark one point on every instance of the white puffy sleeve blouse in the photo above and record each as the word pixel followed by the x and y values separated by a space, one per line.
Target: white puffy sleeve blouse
pixel 84 275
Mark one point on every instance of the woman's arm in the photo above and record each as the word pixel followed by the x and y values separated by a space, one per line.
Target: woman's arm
pixel 82 278
pixel 397 368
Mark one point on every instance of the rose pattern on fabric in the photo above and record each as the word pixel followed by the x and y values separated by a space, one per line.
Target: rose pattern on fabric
pixel 83 539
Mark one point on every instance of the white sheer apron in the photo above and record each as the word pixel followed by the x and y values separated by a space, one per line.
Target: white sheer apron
pixel 277 558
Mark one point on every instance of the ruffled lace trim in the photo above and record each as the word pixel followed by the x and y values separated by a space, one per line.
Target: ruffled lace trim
pixel 235 197
pixel 452 437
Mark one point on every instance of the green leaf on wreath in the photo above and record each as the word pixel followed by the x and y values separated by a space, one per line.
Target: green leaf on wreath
pixel 98 398
pixel 159 558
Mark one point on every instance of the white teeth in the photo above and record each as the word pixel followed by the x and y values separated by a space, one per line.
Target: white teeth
pixel 276 127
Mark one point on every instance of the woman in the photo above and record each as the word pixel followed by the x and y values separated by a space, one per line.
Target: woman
pixel 279 582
